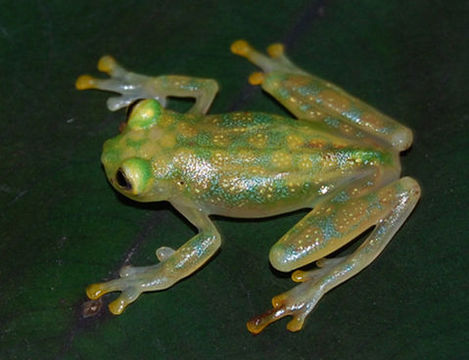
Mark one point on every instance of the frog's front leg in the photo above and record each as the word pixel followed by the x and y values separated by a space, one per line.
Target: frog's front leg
pixel 133 86
pixel 174 265
pixel 328 227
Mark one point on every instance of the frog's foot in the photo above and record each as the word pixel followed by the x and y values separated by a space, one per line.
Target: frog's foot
pixel 130 85
pixel 129 294
pixel 277 61
pixel 297 302
pixel 132 282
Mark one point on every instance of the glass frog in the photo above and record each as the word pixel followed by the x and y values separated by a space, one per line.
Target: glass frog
pixel 339 158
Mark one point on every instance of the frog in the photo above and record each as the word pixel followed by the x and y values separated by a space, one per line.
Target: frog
pixel 337 158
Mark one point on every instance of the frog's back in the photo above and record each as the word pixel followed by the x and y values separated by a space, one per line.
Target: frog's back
pixel 263 132
pixel 262 164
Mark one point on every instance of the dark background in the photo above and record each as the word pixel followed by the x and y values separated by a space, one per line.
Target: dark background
pixel 62 227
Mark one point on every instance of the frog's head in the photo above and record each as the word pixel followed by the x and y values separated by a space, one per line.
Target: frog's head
pixel 129 158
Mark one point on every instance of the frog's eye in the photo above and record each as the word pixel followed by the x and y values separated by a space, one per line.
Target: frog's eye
pixel 145 114
pixel 122 180
pixel 134 176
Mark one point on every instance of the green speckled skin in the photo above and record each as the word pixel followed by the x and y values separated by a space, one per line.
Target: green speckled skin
pixel 245 164
pixel 340 158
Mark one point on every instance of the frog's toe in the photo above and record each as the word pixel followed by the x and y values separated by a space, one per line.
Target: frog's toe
pixel 118 102
pixel 95 291
pixel 130 292
pixel 275 50
pixel 256 78
pixel 324 265
pixel 258 323
pixel 128 296
pixel 164 252
pixel 107 64
pixel 296 323
pixel 85 82
pixel 277 61
pixel 297 303
pixel 241 48
pixel 282 307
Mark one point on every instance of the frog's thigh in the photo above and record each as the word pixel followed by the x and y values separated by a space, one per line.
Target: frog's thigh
pixel 335 222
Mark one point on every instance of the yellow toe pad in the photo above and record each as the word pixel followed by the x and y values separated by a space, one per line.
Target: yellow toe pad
pixel 298 276
pixel 240 47
pixel 94 291
pixel 256 78
pixel 85 82
pixel 106 64
pixel 275 50
pixel 117 307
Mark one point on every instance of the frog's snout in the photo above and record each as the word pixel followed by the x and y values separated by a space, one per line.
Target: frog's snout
pixel 105 155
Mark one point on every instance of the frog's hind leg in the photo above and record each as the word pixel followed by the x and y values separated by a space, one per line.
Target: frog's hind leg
pixel 133 86
pixel 328 227
pixel 311 98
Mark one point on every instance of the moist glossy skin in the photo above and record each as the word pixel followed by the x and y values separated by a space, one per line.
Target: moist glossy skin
pixel 339 158
pixel 241 164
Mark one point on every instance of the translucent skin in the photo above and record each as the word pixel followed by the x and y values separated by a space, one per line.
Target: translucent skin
pixel 339 158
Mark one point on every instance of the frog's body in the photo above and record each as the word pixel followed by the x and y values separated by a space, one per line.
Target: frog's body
pixel 247 164
pixel 341 158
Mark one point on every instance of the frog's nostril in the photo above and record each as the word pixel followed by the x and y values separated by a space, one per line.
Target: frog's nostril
pixel 122 180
